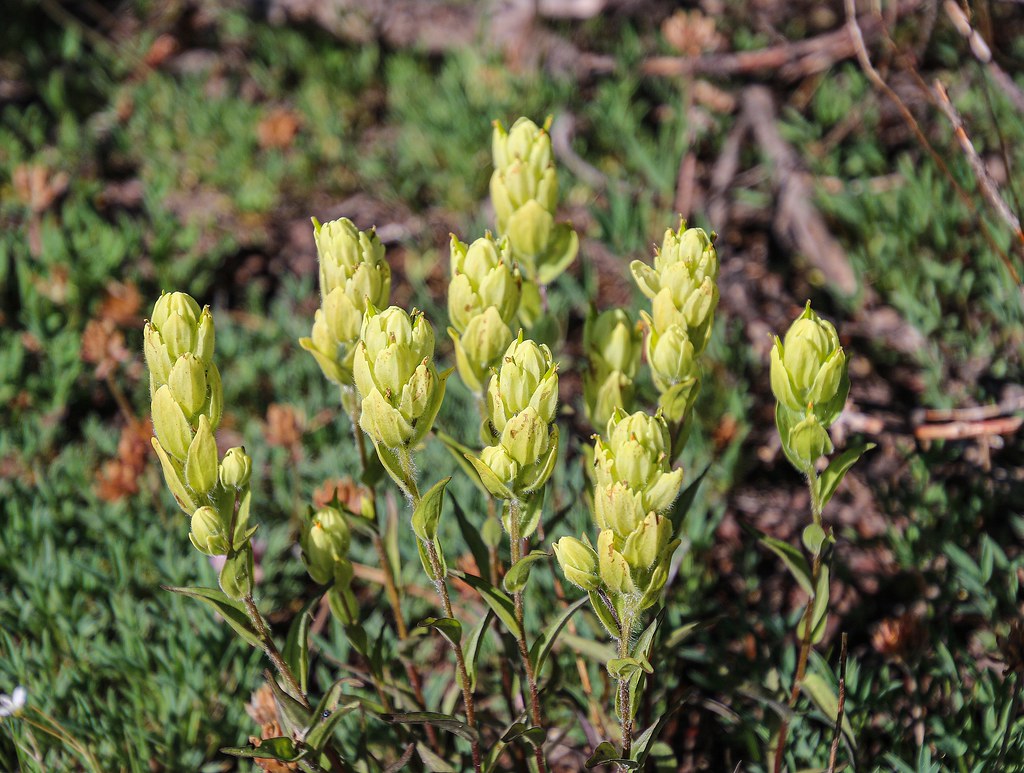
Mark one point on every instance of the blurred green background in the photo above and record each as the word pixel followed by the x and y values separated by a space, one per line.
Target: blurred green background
pixel 148 146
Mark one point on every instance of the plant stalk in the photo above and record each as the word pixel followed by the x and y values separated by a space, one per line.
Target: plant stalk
pixel 441 585
pixel 515 554
pixel 625 710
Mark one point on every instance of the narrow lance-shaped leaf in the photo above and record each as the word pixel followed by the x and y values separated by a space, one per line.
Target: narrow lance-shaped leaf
pixel 442 721
pixel 496 599
pixel 282 749
pixel 296 646
pixel 794 560
pixel 542 647
pixel 233 612
pixel 519 573
pixel 427 515
pixel 826 484
pixel 473 646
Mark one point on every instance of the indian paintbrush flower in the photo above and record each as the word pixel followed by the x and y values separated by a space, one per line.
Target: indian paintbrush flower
pixel 810 381
pixel 612 344
pixel 187 403
pixel 400 388
pixel 483 299
pixel 684 293
pixel 524 191
pixel 325 540
pixel 522 398
pixel 579 563
pixel 353 272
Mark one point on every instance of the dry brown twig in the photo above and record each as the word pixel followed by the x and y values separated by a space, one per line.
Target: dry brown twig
pixel 864 59
pixel 988 187
pixel 983 54
pixel 837 729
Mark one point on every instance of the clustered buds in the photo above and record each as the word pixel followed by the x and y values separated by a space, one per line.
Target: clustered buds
pixel 395 376
pixel 324 541
pixel 810 381
pixel 483 299
pixel 187 402
pixel 353 272
pixel 634 487
pixel 612 344
pixel 521 439
pixel 682 286
pixel 524 191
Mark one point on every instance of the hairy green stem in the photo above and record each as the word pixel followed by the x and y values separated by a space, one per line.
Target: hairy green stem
pixel 625 710
pixel 441 585
pixel 515 554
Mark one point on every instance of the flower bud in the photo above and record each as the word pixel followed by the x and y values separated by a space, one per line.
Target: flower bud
pixel 671 356
pixel 480 347
pixel 157 357
pixel 809 369
pixel 524 191
pixel 353 272
pixel 170 424
pixel 209 532
pixel 612 342
pixel 579 563
pixel 806 442
pixel 483 275
pixel 187 381
pixel 201 459
pixel 394 372
pixel 171 305
pixel 235 468
pixel 612 564
pixel 325 541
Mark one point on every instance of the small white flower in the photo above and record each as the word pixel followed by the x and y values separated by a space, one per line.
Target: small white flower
pixel 12 704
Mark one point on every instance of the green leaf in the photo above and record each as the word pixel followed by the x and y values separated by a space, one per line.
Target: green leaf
pixel 604 614
pixel 283 749
pixel 428 565
pixel 471 535
pixel 599 652
pixel 793 559
pixel 496 599
pixel 823 695
pixel 232 611
pixel 494 486
pixel 427 514
pixel 606 754
pixel 830 478
pixel 644 744
pixel 814 537
pixel 296 646
pixel 519 573
pixel 819 611
pixel 448 627
pixel 681 634
pixel 295 716
pixel 624 668
pixel 433 762
pixel 642 648
pixel 443 721
pixel 542 647
pixel 522 732
pixel 684 501
pixel 473 645
pixel 327 715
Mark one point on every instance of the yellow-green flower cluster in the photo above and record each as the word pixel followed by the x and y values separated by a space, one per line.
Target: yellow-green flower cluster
pixel 634 487
pixel 483 298
pixel 524 191
pixel 520 436
pixel 187 402
pixel 324 541
pixel 682 286
pixel 810 381
pixel 612 344
pixel 353 272
pixel 395 376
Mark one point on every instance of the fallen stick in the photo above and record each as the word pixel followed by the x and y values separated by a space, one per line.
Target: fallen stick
pixel 958 430
pixel 797 221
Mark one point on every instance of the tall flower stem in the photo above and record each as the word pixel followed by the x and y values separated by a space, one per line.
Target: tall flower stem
pixel 625 709
pixel 516 553
pixel 805 643
pixel 441 585
pixel 350 402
